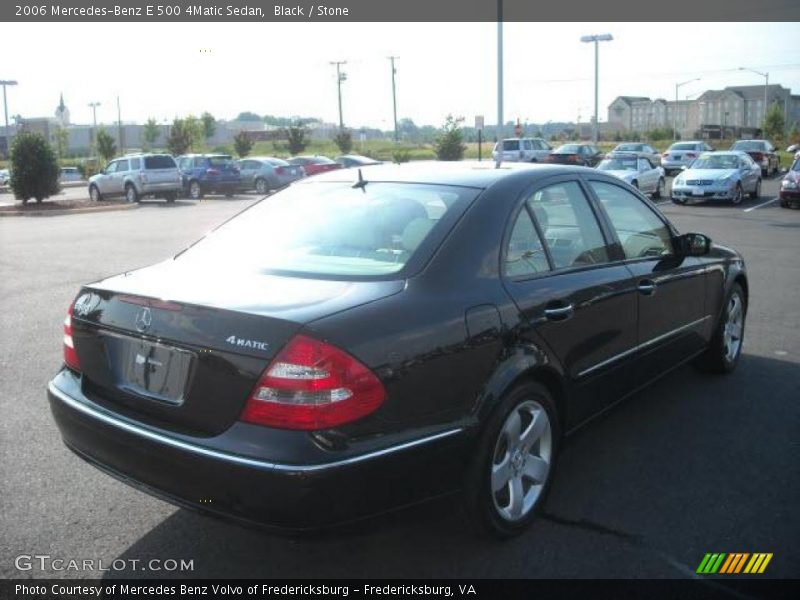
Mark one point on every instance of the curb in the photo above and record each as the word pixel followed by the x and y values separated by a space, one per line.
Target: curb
pixel 67 211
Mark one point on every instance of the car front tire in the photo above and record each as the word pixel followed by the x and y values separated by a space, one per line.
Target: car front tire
pixel 94 194
pixel 756 194
pixel 722 354
pixel 738 194
pixel 511 472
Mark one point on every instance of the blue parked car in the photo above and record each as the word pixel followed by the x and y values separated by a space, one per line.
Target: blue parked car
pixel 209 173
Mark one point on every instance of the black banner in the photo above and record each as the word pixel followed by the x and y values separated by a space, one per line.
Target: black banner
pixel 395 10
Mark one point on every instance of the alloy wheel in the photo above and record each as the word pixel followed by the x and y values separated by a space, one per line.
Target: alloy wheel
pixel 734 328
pixel 261 186
pixel 737 195
pixel 521 461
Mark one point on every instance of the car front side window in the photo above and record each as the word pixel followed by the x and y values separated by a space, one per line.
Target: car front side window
pixel 641 232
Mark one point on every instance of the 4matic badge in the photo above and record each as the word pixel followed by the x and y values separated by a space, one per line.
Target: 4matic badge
pixel 245 343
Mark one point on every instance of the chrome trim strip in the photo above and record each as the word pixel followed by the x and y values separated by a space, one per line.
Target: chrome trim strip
pixel 232 458
pixel 643 345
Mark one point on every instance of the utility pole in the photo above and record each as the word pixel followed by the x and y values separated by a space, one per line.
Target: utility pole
pixel 119 129
pixel 340 77
pixel 675 110
pixel 603 37
pixel 500 121
pixel 92 141
pixel 394 97
pixel 5 83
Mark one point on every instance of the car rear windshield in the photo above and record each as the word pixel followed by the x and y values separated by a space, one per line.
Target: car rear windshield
pixel 618 164
pixel 333 230
pixel 629 148
pixel 716 161
pixel 749 146
pixel 685 146
pixel 511 145
pixel 568 149
pixel 276 162
pixel 159 162
pixel 220 161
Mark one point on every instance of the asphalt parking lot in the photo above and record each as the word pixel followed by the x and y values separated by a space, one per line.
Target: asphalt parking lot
pixel 693 464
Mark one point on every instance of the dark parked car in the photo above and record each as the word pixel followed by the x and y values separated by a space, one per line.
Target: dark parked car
pixel 314 165
pixel 353 344
pixel 356 160
pixel 587 155
pixel 208 174
pixel 761 151
pixel 790 186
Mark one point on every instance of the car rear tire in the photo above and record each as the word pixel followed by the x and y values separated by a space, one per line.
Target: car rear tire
pixel 725 348
pixel 756 193
pixel 511 472
pixel 738 195
pixel 94 194
pixel 131 195
pixel 262 187
pixel 195 190
pixel 660 188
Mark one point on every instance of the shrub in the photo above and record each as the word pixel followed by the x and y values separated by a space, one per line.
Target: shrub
pixel 450 143
pixel 401 155
pixel 242 144
pixel 344 141
pixel 296 139
pixel 34 168
pixel 106 147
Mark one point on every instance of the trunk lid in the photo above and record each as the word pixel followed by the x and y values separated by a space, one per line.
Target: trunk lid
pixel 184 351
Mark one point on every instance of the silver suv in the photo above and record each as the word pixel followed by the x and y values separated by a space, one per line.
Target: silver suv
pixel 521 150
pixel 137 175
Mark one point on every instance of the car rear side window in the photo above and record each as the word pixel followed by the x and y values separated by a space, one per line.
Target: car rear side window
pixel 569 226
pixel 136 164
pixel 159 162
pixel 334 230
pixel 640 231
pixel 525 254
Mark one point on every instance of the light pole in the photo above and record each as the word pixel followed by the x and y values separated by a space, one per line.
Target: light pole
pixel 675 111
pixel 340 77
pixel 394 97
pixel 603 37
pixel 766 87
pixel 5 83
pixel 500 122
pixel 93 106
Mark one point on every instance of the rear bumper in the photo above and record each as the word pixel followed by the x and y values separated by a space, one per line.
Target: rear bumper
pixel 161 188
pixel 206 474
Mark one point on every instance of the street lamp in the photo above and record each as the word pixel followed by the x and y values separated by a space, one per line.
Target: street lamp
pixel 766 86
pixel 603 37
pixel 93 106
pixel 5 83
pixel 675 112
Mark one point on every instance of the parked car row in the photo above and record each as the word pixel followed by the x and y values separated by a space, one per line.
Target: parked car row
pixel 195 175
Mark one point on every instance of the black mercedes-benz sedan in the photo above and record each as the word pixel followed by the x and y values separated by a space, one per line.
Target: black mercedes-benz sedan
pixel 365 340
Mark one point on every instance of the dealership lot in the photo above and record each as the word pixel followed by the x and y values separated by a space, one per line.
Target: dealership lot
pixel 694 464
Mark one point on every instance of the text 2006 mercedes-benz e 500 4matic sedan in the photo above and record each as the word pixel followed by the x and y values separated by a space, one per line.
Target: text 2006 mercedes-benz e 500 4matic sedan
pixel 364 340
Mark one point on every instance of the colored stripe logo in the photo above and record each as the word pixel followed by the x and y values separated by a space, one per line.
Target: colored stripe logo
pixel 734 563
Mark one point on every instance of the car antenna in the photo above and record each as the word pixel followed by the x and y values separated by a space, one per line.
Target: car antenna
pixel 361 183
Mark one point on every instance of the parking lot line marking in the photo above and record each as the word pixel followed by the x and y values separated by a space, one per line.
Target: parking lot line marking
pixel 760 205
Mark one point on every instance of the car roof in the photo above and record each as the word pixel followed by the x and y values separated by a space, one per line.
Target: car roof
pixel 461 173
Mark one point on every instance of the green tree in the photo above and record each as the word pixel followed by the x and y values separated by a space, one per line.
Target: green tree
pixel 106 146
pixel 344 141
pixel 209 125
pixel 773 123
pixel 296 138
pixel 185 135
pixel 242 144
pixel 450 143
pixel 247 116
pixel 150 132
pixel 62 142
pixel 34 168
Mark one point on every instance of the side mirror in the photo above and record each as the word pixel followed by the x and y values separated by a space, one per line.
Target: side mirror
pixel 693 244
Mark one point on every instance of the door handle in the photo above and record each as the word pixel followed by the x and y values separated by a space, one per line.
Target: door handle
pixel 647 287
pixel 560 313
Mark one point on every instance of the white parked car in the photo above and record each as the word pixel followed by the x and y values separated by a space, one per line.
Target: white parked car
pixel 521 150
pixel 137 175
pixel 635 170
pixel 5 177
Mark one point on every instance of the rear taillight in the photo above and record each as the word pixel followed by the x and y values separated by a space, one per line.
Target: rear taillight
pixel 279 170
pixel 573 158
pixel 70 356
pixel 312 385
pixel 212 171
pixel 143 176
pixel 665 155
pixel 757 156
